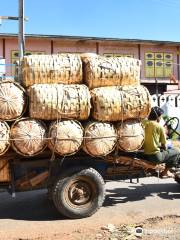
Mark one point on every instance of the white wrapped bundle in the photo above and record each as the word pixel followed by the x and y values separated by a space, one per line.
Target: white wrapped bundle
pixel 12 101
pixel 130 135
pixel 56 101
pixel 99 139
pixel 67 137
pixel 100 71
pixel 120 103
pixel 4 137
pixel 28 136
pixel 57 68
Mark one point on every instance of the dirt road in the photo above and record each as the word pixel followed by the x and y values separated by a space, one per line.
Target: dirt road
pixel 32 216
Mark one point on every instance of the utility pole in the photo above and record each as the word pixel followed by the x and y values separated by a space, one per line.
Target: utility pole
pixel 21 38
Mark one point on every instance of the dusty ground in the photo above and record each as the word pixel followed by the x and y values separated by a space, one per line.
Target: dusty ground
pixel 152 204
pixel 157 228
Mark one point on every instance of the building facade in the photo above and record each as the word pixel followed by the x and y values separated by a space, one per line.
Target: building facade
pixel 160 70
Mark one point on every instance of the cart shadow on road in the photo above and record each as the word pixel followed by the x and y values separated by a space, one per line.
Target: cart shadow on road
pixel 34 205
pixel 135 192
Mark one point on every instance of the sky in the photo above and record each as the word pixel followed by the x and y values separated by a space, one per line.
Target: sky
pixel 125 19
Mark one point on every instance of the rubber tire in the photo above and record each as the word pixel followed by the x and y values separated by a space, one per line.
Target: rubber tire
pixel 177 177
pixel 98 194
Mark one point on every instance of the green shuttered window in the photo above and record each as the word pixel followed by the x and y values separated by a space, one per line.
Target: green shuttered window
pixel 158 65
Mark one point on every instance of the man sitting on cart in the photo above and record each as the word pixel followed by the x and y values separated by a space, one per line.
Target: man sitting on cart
pixel 155 149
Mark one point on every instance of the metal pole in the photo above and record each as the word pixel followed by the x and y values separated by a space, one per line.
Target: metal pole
pixel 157 90
pixel 21 38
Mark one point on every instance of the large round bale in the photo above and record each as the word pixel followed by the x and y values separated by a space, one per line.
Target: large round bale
pixel 12 101
pixel 28 136
pixel 65 137
pixel 57 68
pixel 130 135
pixel 100 71
pixel 99 139
pixel 4 137
pixel 120 103
pixel 56 101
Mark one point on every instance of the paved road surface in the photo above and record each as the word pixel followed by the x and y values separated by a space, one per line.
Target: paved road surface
pixel 32 216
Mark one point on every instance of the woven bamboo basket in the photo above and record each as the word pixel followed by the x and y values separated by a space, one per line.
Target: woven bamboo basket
pixel 65 137
pixel 12 101
pixel 57 68
pixel 4 137
pixel 103 71
pixel 28 136
pixel 120 103
pixel 99 139
pixel 56 101
pixel 130 135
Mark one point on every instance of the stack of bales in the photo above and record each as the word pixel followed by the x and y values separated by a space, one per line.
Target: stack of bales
pixel 56 94
pixel 74 102
pixel 118 98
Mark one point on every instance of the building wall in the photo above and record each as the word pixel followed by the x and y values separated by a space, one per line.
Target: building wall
pixel 11 44
pixel 1 48
pixel 74 47
pixel 115 48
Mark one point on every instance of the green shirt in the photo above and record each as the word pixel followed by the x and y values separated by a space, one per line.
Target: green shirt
pixel 154 137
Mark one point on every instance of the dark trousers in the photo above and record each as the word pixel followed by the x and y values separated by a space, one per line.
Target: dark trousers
pixel 171 157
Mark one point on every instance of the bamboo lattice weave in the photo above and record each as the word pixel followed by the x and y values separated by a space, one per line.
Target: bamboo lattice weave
pixel 67 137
pixel 130 135
pixel 100 71
pixel 12 101
pixel 4 137
pixel 99 139
pixel 28 136
pixel 56 101
pixel 120 103
pixel 57 68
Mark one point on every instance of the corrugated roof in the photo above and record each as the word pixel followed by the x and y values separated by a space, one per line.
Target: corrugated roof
pixel 82 38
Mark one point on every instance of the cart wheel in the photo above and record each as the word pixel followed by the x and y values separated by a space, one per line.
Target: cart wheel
pixel 172 125
pixel 79 192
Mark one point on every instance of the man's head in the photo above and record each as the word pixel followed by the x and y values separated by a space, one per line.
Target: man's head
pixel 156 113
